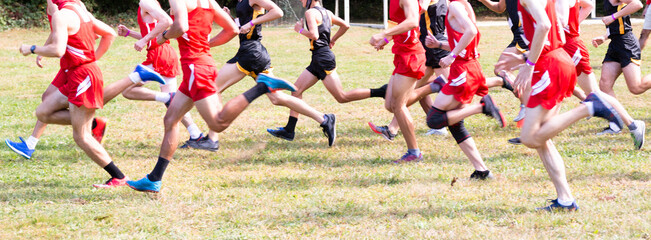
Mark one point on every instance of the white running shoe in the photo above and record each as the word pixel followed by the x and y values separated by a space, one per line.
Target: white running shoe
pixel 440 132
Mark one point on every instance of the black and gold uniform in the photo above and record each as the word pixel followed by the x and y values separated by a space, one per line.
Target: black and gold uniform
pixel 516 26
pixel 252 58
pixel 624 47
pixel 323 59
pixel 433 21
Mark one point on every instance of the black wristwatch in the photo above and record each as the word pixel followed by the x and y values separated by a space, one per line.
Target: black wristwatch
pixel 31 49
pixel 163 35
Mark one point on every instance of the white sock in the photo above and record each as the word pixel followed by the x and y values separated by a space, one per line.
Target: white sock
pixel 31 142
pixel 614 127
pixel 565 202
pixel 590 108
pixel 162 97
pixel 135 77
pixel 194 131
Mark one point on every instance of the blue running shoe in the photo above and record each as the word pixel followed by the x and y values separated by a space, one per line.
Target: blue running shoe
pixel 144 74
pixel 274 83
pixel 145 185
pixel 555 206
pixel 20 148
pixel 603 109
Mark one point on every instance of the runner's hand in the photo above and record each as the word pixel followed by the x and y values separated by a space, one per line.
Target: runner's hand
pixel 122 30
pixel 24 50
pixel 139 45
pixel 431 41
pixel 607 20
pixel 446 61
pixel 523 80
pixel 298 26
pixel 598 41
pixel 38 61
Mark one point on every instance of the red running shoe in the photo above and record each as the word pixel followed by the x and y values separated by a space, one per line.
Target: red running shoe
pixel 99 129
pixel 113 182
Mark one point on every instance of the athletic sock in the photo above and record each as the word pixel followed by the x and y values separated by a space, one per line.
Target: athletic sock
pixel 614 127
pixel 565 202
pixel 415 152
pixel 379 92
pixel 255 92
pixel 194 131
pixel 435 87
pixel 158 171
pixel 162 97
pixel 114 171
pixel 291 124
pixel 31 142
pixel 632 127
pixel 590 108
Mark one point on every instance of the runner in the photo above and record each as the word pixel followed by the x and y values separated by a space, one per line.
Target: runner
pixel 623 50
pixel 453 104
pixel 323 66
pixel 27 147
pixel 646 28
pixel 518 46
pixel 252 59
pixel 549 74
pixel 192 24
pixel 409 61
pixel 72 39
pixel 152 21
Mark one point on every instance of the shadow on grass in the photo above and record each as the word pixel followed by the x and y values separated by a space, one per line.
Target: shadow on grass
pixel 59 191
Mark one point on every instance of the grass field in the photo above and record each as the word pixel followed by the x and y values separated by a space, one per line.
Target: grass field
pixel 258 186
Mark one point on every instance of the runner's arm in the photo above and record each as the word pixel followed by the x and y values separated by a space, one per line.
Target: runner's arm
pixel 586 9
pixel 498 7
pixel 412 16
pixel 343 27
pixel 632 6
pixel 164 21
pixel 458 12
pixel 543 25
pixel 108 36
pixel 58 39
pixel 180 24
pixel 274 13
pixel 313 32
pixel 224 20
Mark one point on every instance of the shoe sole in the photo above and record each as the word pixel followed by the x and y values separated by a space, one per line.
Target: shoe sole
pixel 375 131
pixel 643 130
pixel 334 130
pixel 151 191
pixel 101 141
pixel 16 150
pixel 280 136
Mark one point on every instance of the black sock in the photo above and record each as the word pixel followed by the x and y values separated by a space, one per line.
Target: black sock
pixel 291 124
pixel 255 92
pixel 632 127
pixel 379 92
pixel 94 123
pixel 114 171
pixel 158 171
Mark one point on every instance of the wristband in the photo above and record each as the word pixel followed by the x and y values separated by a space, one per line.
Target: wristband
pixel 163 35
pixel 31 49
pixel 613 16
pixel 386 40
pixel 524 56
pixel 251 23
pixel 300 31
pixel 530 63
pixel 440 45
pixel 454 55
pixel 128 32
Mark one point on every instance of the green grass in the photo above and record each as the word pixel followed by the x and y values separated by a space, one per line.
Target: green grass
pixel 257 186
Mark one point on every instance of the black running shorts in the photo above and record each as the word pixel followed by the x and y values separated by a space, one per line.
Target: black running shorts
pixel 252 58
pixel 323 63
pixel 624 49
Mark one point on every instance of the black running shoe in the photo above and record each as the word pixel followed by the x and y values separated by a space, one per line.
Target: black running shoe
pixel 506 82
pixel 491 110
pixel 382 130
pixel 481 175
pixel 281 133
pixel 556 206
pixel 330 129
pixel 515 141
pixel 206 144
pixel 192 142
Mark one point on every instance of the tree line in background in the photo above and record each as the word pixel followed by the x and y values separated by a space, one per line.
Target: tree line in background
pixel 31 13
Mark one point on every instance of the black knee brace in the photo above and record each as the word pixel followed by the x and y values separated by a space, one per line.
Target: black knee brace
pixel 437 118
pixel 459 132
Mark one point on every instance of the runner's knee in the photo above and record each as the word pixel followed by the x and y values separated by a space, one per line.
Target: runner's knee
pixel 437 118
